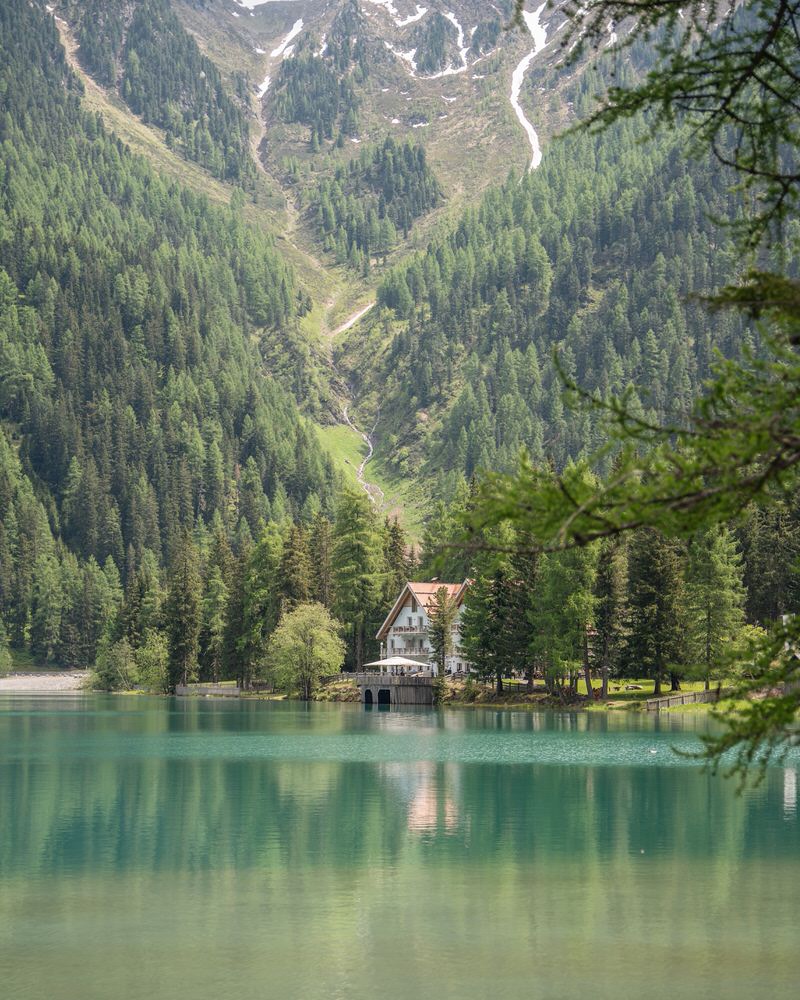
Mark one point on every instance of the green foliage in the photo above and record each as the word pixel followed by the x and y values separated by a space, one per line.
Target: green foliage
pixel 442 617
pixel 729 69
pixel 133 401
pixel 357 570
pixel 141 49
pixel 152 662
pixel 319 90
pixel 715 595
pixel 363 208
pixel 596 258
pixel 183 615
pixel 658 606
pixel 486 642
pixel 115 669
pixel 562 614
pixel 5 652
pixel 304 648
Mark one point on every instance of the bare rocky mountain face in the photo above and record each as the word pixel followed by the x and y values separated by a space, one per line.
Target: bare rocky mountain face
pixel 482 96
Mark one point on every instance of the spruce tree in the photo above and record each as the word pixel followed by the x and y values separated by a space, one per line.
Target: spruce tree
pixel 357 558
pixel 183 614
pixel 321 548
pixel 442 616
pixel 295 574
pixel 715 595
pixel 656 596
pixel 611 608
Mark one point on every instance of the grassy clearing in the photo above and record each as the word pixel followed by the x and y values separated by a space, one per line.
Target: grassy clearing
pixel 23 662
pixel 346 448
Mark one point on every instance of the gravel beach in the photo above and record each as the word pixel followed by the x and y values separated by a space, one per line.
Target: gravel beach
pixel 69 680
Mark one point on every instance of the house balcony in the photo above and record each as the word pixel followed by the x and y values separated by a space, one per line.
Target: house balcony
pixel 408 630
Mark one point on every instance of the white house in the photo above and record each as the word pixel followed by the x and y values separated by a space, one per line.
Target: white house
pixel 405 630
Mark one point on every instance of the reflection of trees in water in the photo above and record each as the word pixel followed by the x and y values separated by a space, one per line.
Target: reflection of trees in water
pixel 95 790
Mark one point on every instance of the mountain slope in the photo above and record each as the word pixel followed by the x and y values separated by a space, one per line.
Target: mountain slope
pixel 132 381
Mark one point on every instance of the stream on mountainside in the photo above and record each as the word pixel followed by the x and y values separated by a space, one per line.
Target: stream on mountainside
pixel 538 33
pixel 373 491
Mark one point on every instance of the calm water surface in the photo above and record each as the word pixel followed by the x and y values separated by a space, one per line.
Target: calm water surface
pixel 157 849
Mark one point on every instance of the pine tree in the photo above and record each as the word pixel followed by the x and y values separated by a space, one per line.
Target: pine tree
pixel 215 607
pixel 656 596
pixel 715 595
pixel 321 547
pixel 611 608
pixel 295 574
pixel 260 607
pixel 396 559
pixel 183 615
pixel 442 617
pixel 357 561
pixel 563 615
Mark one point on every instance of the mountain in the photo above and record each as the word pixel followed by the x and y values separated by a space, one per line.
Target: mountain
pixel 135 402
pixel 331 155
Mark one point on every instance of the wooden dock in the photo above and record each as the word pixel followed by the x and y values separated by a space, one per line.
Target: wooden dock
pixel 393 689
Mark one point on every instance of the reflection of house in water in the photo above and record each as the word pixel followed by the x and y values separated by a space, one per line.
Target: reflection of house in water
pixel 405 631
pixel 429 807
pixel 789 792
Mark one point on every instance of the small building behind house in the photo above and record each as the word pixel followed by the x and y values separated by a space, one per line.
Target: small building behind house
pixel 404 633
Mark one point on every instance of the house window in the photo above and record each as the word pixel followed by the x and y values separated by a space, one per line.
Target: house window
pixel 413 605
pixel 392 645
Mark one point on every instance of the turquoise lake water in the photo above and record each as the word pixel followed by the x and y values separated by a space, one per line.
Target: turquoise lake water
pixel 154 848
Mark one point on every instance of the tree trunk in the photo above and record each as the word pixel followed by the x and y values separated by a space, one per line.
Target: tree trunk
pixel 674 682
pixel 529 677
pixel 499 684
pixel 657 684
pixel 604 688
pixel 587 670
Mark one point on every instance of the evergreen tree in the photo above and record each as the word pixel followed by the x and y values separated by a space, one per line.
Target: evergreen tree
pixel 611 608
pixel 5 652
pixel 321 548
pixel 715 595
pixel 562 616
pixel 656 596
pixel 295 574
pixel 260 606
pixel 215 609
pixel 442 617
pixel 357 553
pixel 183 616
pixel 396 559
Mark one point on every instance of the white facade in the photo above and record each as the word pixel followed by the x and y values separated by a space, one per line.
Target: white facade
pixel 405 631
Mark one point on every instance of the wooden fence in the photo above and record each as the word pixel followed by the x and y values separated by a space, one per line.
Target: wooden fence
pixel 207 691
pixel 683 698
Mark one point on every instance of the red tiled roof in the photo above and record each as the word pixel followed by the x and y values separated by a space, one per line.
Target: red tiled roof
pixel 424 594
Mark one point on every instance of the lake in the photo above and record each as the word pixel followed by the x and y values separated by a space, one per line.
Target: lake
pixel 157 848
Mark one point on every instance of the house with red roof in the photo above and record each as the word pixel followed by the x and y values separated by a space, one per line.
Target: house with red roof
pixel 404 633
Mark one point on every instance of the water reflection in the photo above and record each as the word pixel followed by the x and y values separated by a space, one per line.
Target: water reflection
pixel 154 849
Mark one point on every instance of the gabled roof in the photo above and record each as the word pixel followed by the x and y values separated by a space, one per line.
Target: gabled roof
pixel 423 594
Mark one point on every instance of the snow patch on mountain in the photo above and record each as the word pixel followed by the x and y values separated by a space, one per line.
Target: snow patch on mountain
pixel 402 22
pixel 297 27
pixel 538 33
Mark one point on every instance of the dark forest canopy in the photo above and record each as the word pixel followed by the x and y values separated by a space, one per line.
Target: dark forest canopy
pixel 142 50
pixel 374 200
pixel 133 400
